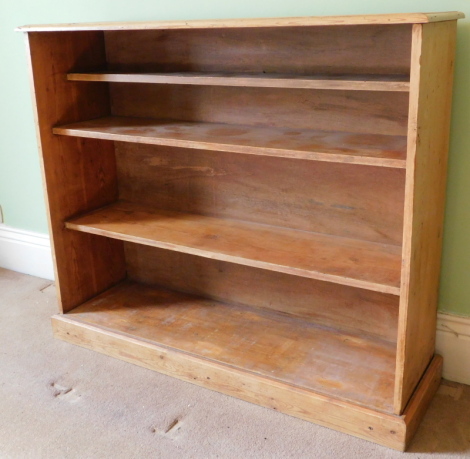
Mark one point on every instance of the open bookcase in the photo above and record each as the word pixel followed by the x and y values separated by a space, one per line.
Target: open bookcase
pixel 254 205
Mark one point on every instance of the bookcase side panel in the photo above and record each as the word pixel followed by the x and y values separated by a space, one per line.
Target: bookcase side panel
pixel 433 52
pixel 78 174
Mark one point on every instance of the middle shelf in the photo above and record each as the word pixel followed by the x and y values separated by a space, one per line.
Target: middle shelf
pixel 332 146
pixel 346 261
pixel 354 82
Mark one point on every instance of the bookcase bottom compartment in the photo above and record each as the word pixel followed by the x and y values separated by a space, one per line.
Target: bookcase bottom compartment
pixel 326 376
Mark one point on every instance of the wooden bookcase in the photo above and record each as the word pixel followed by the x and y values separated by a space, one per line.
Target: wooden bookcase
pixel 254 206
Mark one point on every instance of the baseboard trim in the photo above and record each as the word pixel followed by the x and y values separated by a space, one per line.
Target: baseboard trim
pixel 26 252
pixel 453 343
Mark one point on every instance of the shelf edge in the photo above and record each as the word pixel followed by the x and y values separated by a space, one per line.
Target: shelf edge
pixel 285 82
pixel 234 148
pixel 379 19
pixel 381 288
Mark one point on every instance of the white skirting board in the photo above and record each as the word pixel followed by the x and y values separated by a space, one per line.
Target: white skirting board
pixel 26 252
pixel 453 343
pixel 30 253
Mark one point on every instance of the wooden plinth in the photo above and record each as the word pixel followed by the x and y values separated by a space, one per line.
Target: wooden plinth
pixel 155 337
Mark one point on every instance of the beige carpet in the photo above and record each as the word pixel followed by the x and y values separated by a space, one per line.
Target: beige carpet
pixel 61 401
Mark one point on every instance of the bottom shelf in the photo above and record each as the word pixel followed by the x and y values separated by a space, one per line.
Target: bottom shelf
pixel 259 356
pixel 273 345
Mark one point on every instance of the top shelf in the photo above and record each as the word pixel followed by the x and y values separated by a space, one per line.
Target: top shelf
pixel 394 18
pixel 399 83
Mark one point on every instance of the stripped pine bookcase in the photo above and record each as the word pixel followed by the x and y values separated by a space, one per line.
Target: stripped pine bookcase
pixel 254 205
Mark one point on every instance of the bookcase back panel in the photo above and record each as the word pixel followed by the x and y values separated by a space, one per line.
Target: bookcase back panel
pixel 349 309
pixel 303 50
pixel 362 202
pixel 350 111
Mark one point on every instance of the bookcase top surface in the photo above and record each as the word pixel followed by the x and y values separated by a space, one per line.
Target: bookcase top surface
pixel 405 18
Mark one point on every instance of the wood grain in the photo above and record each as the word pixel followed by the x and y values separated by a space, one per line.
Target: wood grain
pixel 348 49
pixel 405 18
pixel 428 139
pixel 318 256
pixel 373 50
pixel 347 200
pixel 348 367
pixel 373 149
pixel 79 174
pixel 350 82
pixel 422 396
pixel 363 422
pixel 351 310
pixel 365 112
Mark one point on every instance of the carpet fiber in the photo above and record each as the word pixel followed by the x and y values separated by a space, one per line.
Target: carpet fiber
pixel 61 401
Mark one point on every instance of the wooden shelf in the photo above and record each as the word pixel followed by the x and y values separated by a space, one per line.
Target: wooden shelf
pixel 343 147
pixel 340 260
pixel 290 350
pixel 385 19
pixel 399 83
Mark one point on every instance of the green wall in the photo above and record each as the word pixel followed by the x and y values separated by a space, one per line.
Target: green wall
pixel 20 183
